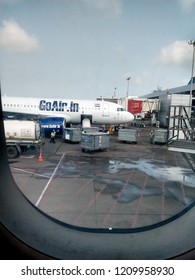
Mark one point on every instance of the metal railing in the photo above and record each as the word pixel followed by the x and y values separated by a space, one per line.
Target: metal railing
pixel 181 123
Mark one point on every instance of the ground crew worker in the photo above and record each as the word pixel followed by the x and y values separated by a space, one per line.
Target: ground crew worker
pixel 152 137
pixel 52 136
pixel 142 124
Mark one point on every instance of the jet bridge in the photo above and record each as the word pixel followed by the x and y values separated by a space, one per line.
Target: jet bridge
pixel 181 123
pixel 181 129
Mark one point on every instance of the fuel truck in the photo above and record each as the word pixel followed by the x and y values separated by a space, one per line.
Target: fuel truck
pixel 21 135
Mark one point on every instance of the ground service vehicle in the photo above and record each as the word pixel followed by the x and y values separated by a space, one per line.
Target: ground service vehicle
pixel 20 135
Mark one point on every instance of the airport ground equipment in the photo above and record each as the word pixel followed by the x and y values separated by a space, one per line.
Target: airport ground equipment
pixel 95 141
pixel 72 135
pixel 158 136
pixel 128 135
pixel 20 135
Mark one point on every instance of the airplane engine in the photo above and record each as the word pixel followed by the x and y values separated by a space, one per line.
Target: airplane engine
pixel 52 123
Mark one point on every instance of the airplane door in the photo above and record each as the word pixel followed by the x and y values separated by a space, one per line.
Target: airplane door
pixel 105 112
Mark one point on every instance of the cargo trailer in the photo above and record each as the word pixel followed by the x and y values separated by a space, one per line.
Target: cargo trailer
pixel 72 135
pixel 95 141
pixel 158 136
pixel 128 135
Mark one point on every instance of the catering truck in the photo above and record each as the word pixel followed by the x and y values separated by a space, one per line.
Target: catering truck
pixel 20 135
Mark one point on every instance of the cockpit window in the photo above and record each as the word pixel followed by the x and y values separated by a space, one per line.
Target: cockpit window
pixel 119 109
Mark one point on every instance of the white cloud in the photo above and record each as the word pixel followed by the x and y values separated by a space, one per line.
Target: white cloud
pixel 177 53
pixel 111 6
pixel 15 39
pixel 187 5
pixel 143 78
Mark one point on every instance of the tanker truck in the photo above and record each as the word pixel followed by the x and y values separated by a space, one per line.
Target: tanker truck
pixel 20 135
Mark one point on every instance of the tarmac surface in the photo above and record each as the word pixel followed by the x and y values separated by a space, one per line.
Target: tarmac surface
pixel 128 186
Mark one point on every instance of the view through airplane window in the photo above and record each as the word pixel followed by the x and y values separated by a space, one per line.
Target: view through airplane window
pixel 99 111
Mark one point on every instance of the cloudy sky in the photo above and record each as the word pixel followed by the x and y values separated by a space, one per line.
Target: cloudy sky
pixel 88 48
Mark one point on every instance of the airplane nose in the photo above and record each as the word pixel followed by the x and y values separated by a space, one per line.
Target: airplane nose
pixel 129 116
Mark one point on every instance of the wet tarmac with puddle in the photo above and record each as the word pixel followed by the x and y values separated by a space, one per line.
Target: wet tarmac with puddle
pixel 128 186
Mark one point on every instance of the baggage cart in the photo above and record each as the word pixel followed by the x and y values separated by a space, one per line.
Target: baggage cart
pixel 95 141
pixel 158 136
pixel 72 135
pixel 128 135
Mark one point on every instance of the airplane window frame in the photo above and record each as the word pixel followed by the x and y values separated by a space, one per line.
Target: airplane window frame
pixel 48 238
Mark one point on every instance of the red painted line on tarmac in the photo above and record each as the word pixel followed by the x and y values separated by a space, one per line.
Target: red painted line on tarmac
pixel 92 201
pixel 163 202
pixel 108 215
pixel 181 185
pixel 81 189
pixel 139 203
pixel 163 199
pixel 78 191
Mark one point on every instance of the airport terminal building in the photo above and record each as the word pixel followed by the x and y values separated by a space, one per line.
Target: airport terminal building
pixel 184 90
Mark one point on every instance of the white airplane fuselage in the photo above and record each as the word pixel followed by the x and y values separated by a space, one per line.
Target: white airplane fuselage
pixel 73 111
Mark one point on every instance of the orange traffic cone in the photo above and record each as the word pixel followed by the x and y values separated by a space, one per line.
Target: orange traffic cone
pixel 40 157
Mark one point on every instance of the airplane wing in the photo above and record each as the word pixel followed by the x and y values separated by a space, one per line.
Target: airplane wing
pixel 18 115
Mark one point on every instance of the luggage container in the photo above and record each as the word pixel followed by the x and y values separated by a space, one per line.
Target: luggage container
pixel 72 135
pixel 95 141
pixel 158 136
pixel 128 135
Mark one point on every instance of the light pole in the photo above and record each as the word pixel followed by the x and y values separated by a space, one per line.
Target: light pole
pixel 192 75
pixel 191 85
pixel 114 96
pixel 128 79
